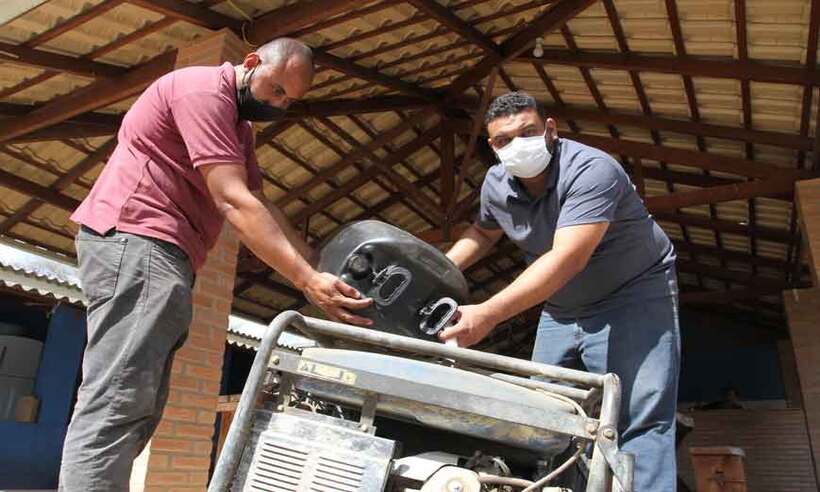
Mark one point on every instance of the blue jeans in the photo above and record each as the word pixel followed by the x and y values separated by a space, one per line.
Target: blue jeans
pixel 640 343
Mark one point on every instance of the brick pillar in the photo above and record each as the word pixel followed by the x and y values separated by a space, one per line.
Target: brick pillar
pixel 179 455
pixel 803 314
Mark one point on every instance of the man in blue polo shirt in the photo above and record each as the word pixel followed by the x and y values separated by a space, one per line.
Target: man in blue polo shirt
pixel 601 266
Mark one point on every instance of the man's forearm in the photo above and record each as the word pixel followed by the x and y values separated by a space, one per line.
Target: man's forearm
pixel 470 247
pixel 293 235
pixel 535 285
pixel 269 240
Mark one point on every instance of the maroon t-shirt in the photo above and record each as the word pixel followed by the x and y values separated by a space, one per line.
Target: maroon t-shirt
pixel 150 185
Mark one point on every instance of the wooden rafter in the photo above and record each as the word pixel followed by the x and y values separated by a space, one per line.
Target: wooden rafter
pixel 446 17
pixel 61 63
pixel 335 168
pixel 553 18
pixel 190 12
pixel 687 219
pixel 89 98
pixel 772 187
pixel 690 65
pixel 364 177
pixel 324 58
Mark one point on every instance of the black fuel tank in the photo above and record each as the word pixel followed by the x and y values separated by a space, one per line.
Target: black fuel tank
pixel 415 287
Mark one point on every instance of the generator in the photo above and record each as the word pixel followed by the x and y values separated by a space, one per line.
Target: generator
pixel 498 414
pixel 390 408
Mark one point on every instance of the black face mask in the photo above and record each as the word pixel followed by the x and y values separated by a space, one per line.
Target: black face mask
pixel 252 109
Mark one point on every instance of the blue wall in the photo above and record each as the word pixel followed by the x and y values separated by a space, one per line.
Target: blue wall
pixel 30 453
pixel 719 352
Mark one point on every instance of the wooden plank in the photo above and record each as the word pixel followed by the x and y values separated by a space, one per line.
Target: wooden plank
pixel 345 66
pixel 710 161
pixel 742 229
pixel 780 139
pixel 332 170
pixel 475 131
pixel 448 171
pixel 728 296
pixel 549 20
pixel 192 13
pixel 344 107
pixel 30 188
pixel 775 187
pixel 688 65
pixel 362 178
pixel 53 61
pixel 99 94
pixel 290 18
pixel 456 24
pixel 72 22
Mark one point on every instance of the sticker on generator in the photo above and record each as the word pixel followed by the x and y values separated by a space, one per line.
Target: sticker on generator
pixel 326 372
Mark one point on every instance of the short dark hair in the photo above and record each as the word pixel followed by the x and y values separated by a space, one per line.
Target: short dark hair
pixel 513 103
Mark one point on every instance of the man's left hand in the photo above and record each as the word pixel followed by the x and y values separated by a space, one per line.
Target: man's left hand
pixel 474 322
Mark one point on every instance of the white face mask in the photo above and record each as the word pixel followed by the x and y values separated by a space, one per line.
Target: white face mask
pixel 525 157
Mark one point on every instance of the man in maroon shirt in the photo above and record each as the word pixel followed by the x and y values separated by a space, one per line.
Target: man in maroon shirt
pixel 184 163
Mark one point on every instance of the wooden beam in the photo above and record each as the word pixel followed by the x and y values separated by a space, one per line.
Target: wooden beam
pixel 59 185
pixel 734 276
pixel 684 65
pixel 192 13
pixel 456 24
pixel 53 61
pixel 67 130
pixel 553 18
pixel 344 107
pixel 334 169
pixel 727 226
pixel 774 187
pixel 72 22
pixel 788 140
pixel 290 18
pixel 729 296
pixel 362 178
pixel 475 131
pixel 96 95
pixel 729 255
pixel 326 59
pixel 448 169
pixel 710 161
pixel 30 188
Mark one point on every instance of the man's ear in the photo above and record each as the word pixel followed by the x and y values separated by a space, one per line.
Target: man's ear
pixel 552 130
pixel 251 60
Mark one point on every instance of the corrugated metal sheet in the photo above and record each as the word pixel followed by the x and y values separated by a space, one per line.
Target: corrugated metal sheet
pixel 46 275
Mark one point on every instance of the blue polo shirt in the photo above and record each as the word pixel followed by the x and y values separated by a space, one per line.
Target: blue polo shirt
pixel 635 260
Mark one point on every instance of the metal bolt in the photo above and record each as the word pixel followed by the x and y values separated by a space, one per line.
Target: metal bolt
pixel 592 428
pixel 609 433
pixel 275 359
pixel 363 427
pixel 455 487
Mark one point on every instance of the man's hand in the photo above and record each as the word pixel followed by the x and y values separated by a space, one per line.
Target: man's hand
pixel 474 323
pixel 330 294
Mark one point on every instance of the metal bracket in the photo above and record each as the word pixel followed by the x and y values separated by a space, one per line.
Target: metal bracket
pixel 622 464
pixel 368 415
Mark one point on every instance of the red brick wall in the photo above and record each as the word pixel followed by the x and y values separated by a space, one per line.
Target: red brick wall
pixel 778 458
pixel 179 455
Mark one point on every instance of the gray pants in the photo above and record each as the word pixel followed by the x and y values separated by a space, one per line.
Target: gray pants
pixel 139 310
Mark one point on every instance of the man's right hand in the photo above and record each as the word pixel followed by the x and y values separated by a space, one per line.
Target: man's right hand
pixel 330 294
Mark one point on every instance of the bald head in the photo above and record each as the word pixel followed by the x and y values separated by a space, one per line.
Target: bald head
pixel 282 71
pixel 285 50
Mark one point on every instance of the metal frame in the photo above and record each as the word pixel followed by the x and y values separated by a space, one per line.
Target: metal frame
pixel 606 459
